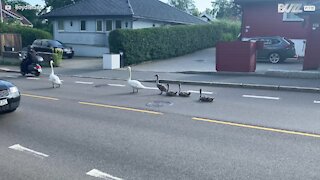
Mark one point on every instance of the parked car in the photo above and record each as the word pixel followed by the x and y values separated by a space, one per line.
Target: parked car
pixel 47 45
pixel 275 49
pixel 9 97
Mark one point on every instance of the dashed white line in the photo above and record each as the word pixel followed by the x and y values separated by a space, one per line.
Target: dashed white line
pixel 117 85
pixel 261 97
pixel 33 78
pixel 83 82
pixel 203 92
pixel 11 76
pixel 99 174
pixel 317 102
pixel 20 148
pixel 152 88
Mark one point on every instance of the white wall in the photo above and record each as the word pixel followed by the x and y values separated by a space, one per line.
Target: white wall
pixel 139 24
pixel 90 42
pixel 300 45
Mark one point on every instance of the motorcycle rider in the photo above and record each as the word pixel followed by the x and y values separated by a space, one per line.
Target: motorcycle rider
pixel 31 58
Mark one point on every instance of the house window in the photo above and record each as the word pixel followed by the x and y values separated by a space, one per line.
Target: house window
pixel 108 25
pixel 127 24
pixel 118 24
pixel 83 26
pixel 291 17
pixel 60 25
pixel 99 26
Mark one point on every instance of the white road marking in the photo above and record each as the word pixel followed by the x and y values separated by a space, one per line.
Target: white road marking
pixel 152 88
pixel 203 92
pixel 82 82
pixel 317 102
pixel 261 97
pixel 12 76
pixel 117 85
pixel 33 78
pixel 20 148
pixel 99 174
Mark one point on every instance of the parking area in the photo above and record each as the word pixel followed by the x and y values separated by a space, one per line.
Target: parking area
pixel 205 60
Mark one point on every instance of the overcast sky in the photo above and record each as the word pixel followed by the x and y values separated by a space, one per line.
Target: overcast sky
pixel 201 4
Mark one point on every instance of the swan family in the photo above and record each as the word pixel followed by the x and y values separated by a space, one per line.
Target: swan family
pixel 136 85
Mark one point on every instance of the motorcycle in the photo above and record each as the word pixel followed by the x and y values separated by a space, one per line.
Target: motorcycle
pixel 33 68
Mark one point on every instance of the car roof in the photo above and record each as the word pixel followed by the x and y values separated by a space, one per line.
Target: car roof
pixel 273 37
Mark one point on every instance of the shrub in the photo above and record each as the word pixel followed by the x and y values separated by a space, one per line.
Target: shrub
pixel 158 43
pixel 57 57
pixel 28 34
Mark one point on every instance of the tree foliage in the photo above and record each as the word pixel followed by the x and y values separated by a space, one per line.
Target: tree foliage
pixel 225 9
pixel 54 4
pixel 185 5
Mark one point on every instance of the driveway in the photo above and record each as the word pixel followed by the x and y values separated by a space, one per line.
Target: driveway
pixel 205 61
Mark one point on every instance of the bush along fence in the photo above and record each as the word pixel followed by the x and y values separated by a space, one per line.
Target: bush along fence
pixel 28 34
pixel 159 43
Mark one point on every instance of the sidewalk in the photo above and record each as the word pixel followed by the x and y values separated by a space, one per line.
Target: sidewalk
pixel 177 70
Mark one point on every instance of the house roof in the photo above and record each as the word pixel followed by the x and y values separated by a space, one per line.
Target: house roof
pixel 145 9
pixel 261 1
pixel 209 17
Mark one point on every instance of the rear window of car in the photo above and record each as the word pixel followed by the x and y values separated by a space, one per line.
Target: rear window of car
pixel 37 42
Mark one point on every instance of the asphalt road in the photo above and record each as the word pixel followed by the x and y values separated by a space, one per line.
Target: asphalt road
pixel 92 124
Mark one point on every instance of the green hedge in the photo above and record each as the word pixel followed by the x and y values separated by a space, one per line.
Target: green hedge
pixel 165 42
pixel 28 34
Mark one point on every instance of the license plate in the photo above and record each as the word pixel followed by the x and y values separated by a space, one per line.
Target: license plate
pixel 3 102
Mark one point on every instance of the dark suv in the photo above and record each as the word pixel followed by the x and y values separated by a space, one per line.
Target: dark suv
pixel 47 45
pixel 275 49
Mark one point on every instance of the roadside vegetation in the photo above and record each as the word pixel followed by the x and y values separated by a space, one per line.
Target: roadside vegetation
pixel 165 42
pixel 28 34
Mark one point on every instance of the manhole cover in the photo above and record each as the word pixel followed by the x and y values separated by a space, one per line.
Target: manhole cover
pixel 159 103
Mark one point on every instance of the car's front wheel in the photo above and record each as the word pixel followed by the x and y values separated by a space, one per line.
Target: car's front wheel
pixel 275 58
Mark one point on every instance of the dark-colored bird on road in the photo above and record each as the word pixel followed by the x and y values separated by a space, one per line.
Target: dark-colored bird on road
pixel 160 86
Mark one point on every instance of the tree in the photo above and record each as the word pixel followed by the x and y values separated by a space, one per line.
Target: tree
pixel 185 5
pixel 226 9
pixel 30 14
pixel 54 4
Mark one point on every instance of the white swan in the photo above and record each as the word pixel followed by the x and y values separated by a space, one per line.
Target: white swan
pixel 136 85
pixel 54 78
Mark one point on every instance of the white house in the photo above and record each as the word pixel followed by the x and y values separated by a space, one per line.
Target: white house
pixel 206 17
pixel 86 24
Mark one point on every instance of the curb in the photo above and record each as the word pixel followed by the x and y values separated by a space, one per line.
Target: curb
pixel 9 70
pixel 244 85
pixel 269 73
